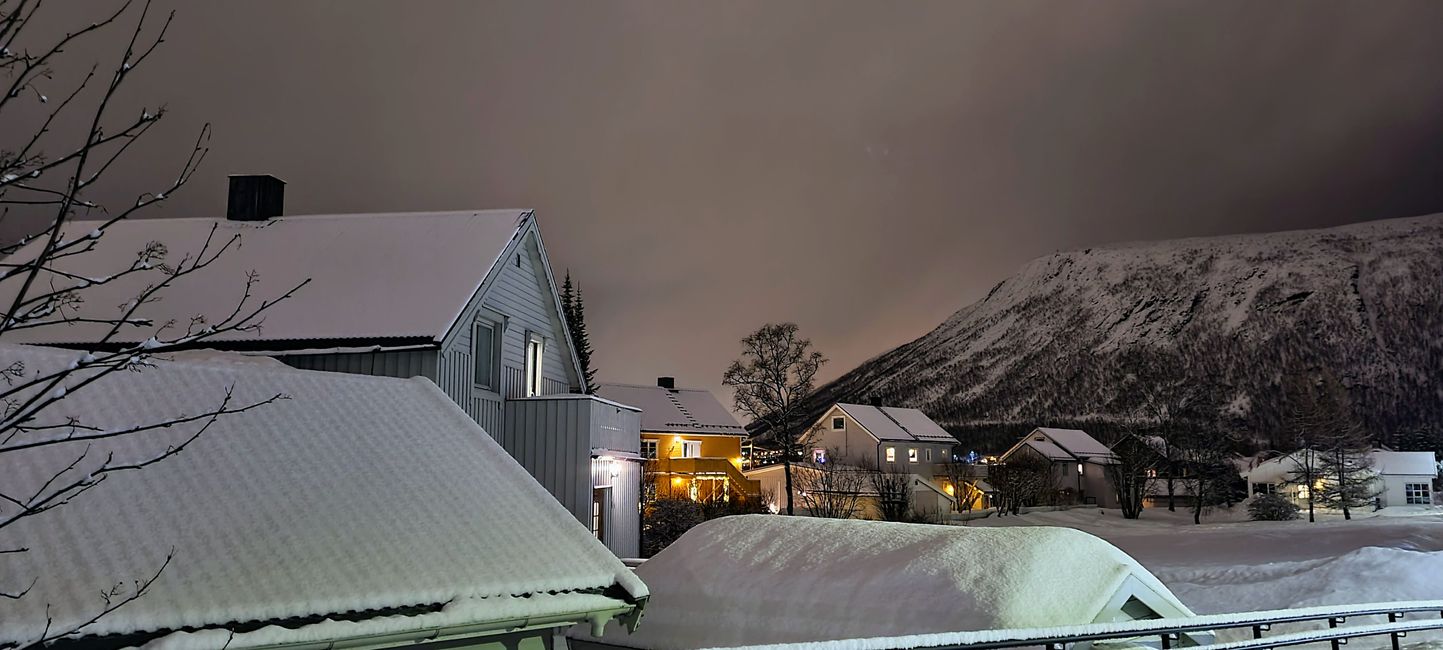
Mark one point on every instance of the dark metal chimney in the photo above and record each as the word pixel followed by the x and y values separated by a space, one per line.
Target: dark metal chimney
pixel 668 383
pixel 255 197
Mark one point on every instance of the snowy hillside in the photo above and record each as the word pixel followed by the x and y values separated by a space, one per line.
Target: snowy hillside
pixel 1073 336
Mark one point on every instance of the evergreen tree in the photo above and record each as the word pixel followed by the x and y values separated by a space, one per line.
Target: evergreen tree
pixel 581 340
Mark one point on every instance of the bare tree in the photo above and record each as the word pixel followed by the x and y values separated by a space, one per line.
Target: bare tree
pixel 830 490
pixel 1334 461
pixel 770 381
pixel 893 487
pixel 959 473
pixel 1023 479
pixel 1136 458
pixel 48 177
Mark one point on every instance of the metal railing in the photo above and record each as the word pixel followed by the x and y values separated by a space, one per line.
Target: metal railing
pixel 1170 633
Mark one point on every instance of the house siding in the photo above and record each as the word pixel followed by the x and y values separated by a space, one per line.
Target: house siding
pixel 623 517
pixel 404 364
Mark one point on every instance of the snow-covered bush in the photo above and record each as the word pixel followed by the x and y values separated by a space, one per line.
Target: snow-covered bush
pixel 1272 507
pixel 664 520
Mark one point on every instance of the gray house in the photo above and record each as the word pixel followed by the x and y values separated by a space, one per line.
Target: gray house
pixel 465 299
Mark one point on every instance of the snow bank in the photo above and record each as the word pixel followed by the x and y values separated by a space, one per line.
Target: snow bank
pixel 354 494
pixel 763 579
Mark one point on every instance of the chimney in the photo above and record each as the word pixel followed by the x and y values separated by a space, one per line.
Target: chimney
pixel 255 197
pixel 668 383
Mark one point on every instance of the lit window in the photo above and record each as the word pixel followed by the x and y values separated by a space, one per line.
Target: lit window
pixel 891 454
pixel 1418 494
pixel 839 423
pixel 691 449
pixel 483 350
pixel 912 455
pixel 819 455
pixel 648 449
pixel 535 352
pixel 1079 469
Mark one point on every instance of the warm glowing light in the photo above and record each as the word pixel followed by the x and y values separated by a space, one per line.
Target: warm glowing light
pixel 950 490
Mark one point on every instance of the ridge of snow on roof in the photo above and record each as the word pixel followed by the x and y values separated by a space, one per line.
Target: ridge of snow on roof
pixel 357 493
pixel 768 579
pixel 1076 442
pixel 680 410
pixel 894 423
pixel 402 275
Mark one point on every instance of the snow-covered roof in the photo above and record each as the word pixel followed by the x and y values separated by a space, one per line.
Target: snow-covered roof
pixel 1064 444
pixel 1417 463
pixel 894 423
pixel 370 499
pixel 675 410
pixel 765 579
pixel 400 275
pixel 1384 463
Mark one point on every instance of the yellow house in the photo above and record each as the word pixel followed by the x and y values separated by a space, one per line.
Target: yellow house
pixel 692 444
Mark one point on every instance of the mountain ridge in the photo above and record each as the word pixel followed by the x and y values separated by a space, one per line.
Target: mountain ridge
pixel 1065 339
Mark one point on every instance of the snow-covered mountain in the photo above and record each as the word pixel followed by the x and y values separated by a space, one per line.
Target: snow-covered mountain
pixel 1073 337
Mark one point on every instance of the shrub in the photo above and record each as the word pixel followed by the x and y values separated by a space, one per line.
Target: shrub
pixel 1272 507
pixel 664 520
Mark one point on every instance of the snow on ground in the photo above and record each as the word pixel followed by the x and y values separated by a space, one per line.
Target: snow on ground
pixel 1228 564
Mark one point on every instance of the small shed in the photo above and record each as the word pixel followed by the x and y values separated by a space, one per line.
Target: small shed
pixel 766 579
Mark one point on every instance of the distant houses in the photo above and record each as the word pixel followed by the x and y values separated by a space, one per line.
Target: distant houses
pixel 466 299
pixel 691 444
pixel 358 512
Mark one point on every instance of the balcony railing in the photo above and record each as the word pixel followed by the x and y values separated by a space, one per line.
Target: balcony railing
pixel 704 466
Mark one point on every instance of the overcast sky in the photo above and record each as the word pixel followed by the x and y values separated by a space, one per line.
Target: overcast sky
pixel 863 169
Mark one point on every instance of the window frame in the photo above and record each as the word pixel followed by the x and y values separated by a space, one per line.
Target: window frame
pixel 819 455
pixel 493 382
pixel 912 456
pixel 1418 494
pixel 839 423
pixel 891 454
pixel 690 444
pixel 654 446
pixel 532 373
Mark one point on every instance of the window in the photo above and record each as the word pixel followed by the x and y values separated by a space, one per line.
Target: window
pixel 483 351
pixel 819 455
pixel 600 498
pixel 691 449
pixel 535 351
pixel 929 454
pixel 648 449
pixel 1265 488
pixel 1418 494
pixel 891 454
pixel 912 455
pixel 839 423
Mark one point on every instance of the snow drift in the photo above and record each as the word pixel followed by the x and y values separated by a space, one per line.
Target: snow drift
pixel 763 579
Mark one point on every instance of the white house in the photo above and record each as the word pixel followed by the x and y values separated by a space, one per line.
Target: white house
pixel 465 298
pixel 1079 464
pixel 1403 478
pixel 801 580
pixel 357 512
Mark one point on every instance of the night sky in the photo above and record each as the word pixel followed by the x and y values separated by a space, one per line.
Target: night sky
pixel 863 169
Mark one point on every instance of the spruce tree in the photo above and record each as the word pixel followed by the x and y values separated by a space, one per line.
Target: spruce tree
pixel 581 340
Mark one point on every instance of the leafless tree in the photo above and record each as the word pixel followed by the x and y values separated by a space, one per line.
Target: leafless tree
pixel 893 487
pixel 1022 479
pixel 48 176
pixel 774 375
pixel 1332 463
pixel 830 490
pixel 1136 458
pixel 960 474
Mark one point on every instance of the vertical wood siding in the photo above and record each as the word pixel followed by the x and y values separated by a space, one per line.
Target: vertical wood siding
pixel 551 439
pixel 404 364
pixel 623 516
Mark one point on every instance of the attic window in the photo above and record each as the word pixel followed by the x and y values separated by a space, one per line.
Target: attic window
pixel 838 424
pixel 1040 439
